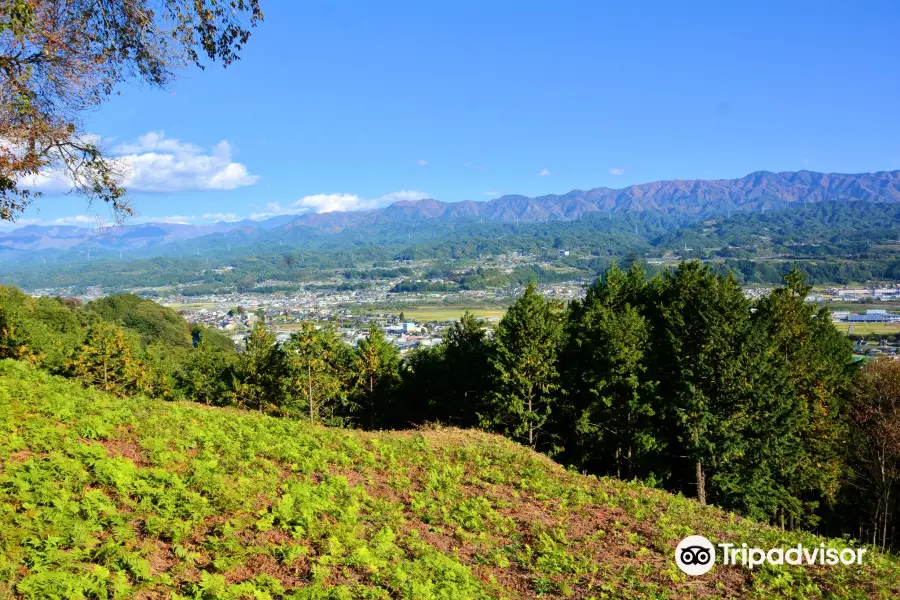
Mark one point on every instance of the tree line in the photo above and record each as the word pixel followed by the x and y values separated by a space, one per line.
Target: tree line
pixel 678 380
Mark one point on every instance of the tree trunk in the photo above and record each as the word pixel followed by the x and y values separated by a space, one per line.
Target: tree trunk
pixel 530 424
pixel 701 484
pixel 371 403
pixel 309 379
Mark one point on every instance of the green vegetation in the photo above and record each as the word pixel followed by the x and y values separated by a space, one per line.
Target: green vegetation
pixel 119 497
pixel 869 328
pixel 441 313
pixel 677 380
pixel 830 242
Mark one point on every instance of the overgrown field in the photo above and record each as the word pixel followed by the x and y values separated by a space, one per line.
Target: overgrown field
pixel 103 497
pixel 450 313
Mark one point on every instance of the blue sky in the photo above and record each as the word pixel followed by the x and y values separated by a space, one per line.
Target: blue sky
pixel 355 104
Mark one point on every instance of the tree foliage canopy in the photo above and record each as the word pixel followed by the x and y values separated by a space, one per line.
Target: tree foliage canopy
pixel 60 58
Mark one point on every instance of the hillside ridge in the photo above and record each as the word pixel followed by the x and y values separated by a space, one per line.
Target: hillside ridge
pixel 162 499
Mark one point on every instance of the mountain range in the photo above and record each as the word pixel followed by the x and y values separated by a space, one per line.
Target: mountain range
pixel 680 201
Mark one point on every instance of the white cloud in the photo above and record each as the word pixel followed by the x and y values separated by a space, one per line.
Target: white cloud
pixel 490 193
pixel 616 171
pixel 74 221
pixel 422 163
pixel 81 221
pixel 228 217
pixel 156 163
pixel 544 173
pixel 322 203
pixel 172 219
pixel 318 203
pixel 404 195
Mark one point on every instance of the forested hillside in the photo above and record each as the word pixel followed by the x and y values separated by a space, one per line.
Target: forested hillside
pixel 106 496
pixel 832 242
pixel 677 380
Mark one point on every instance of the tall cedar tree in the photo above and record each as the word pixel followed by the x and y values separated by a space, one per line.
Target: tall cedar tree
pixel 524 376
pixel 207 375
pixel 425 393
pixel 259 370
pixel 700 321
pixel 315 361
pixel 106 361
pixel 446 383
pixel 466 355
pixel 818 361
pixel 876 464
pixel 376 365
pixel 609 399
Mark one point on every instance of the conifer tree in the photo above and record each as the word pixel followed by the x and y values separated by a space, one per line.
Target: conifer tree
pixel 524 376
pixel 106 361
pixel 466 354
pixel 207 375
pixel 259 370
pixel 699 322
pixel 376 365
pixel 818 364
pixel 608 395
pixel 314 360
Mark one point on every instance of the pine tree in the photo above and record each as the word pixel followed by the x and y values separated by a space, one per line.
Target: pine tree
pixel 376 365
pixel 699 321
pixel 609 399
pixel 314 380
pixel 466 355
pixel 207 375
pixel 259 370
pixel 818 363
pixel 876 420
pixel 106 361
pixel 524 376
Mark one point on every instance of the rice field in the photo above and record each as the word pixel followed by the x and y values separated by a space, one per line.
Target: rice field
pixel 450 313
pixel 869 328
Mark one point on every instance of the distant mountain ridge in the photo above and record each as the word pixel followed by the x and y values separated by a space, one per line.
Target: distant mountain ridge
pixel 685 199
pixel 758 191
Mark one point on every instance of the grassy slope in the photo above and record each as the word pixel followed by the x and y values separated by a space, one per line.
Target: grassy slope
pixel 102 497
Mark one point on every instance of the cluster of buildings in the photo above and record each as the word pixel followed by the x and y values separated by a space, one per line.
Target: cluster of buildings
pixel 872 315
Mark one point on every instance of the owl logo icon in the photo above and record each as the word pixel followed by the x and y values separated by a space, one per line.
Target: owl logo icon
pixel 695 555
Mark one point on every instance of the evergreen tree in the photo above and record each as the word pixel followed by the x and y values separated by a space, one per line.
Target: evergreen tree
pixel 259 370
pixel 376 365
pixel 699 322
pixel 876 464
pixel 315 361
pixel 609 399
pixel 524 376
pixel 207 375
pixel 106 361
pixel 162 363
pixel 818 363
pixel 424 395
pixel 466 354
pixel 15 341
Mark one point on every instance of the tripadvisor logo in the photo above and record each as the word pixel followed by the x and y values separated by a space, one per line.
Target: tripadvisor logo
pixel 696 555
